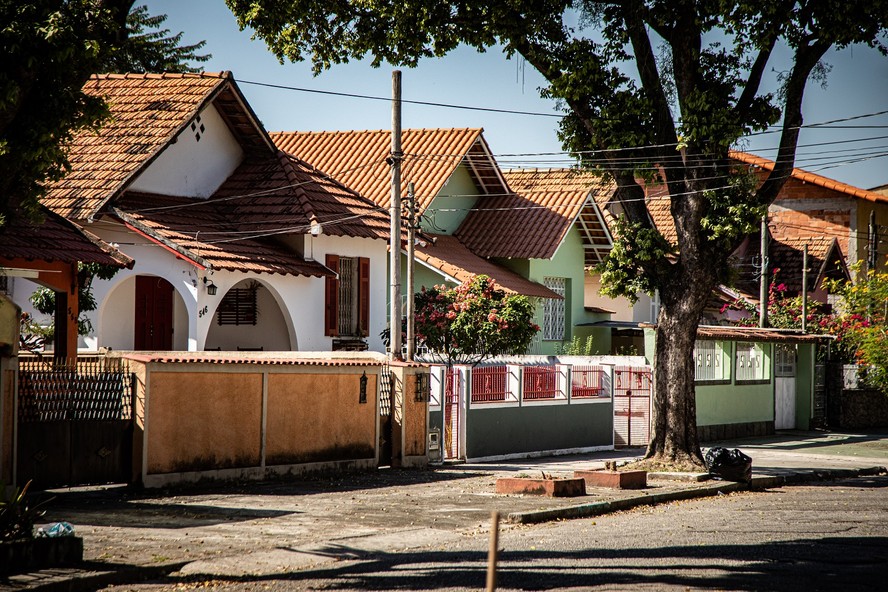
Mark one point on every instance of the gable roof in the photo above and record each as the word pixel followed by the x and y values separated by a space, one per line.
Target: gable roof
pixel 808 177
pixel 549 201
pixel 56 239
pixel 453 259
pixel 358 159
pixel 147 112
pixel 234 229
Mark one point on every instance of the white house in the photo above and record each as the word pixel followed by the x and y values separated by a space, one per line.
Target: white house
pixel 236 244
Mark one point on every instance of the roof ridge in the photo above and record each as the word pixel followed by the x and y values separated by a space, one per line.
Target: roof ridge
pixel 379 131
pixel 225 74
pixel 808 176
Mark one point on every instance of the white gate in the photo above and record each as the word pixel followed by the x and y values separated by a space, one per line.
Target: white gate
pixel 784 387
pixel 632 406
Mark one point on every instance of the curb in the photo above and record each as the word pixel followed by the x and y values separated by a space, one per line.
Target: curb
pixel 759 482
pixel 85 581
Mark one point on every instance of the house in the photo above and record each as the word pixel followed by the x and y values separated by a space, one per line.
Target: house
pixel 237 245
pixel 810 205
pixel 478 219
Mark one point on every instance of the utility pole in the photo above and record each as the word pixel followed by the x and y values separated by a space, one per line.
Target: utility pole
pixel 805 288
pixel 395 213
pixel 763 285
pixel 411 237
pixel 872 258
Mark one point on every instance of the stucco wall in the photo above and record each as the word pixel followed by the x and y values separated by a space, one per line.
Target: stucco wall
pixel 203 419
pixel 317 418
pixel 192 167
pixel 415 428
pixel 452 204
pixel 493 430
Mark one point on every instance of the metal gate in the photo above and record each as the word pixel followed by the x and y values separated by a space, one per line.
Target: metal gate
pixel 75 422
pixel 632 406
pixel 452 415
pixel 386 404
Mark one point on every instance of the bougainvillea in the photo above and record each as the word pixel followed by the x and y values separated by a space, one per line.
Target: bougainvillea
pixel 858 323
pixel 473 321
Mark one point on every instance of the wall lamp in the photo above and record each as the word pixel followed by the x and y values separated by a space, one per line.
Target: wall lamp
pixel 211 287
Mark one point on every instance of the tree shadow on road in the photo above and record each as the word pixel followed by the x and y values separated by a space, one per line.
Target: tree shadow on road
pixel 838 563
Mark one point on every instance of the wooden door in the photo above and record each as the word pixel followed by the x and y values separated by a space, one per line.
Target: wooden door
pixel 154 314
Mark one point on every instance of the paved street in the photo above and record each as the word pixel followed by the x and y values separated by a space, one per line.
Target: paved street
pixel 422 529
pixel 829 536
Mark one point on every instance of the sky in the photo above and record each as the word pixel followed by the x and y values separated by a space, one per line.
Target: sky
pixel 854 152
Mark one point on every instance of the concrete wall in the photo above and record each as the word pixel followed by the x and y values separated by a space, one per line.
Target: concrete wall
pixel 243 419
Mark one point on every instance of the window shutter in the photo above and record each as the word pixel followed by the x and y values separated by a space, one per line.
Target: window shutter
pixel 331 298
pixel 364 295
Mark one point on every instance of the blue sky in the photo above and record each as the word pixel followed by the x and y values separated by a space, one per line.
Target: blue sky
pixel 857 85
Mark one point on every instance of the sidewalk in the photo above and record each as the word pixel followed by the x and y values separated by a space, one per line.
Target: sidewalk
pixel 256 528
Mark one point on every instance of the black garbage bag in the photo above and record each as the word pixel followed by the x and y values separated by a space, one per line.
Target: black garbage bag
pixel 730 465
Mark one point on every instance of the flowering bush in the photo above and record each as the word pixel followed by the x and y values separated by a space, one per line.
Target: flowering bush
pixel 859 327
pixel 473 321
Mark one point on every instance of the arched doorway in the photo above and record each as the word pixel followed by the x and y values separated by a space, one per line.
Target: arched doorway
pixel 143 312
pixel 249 318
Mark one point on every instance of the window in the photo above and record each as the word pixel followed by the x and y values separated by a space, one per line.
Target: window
pixel 554 309
pixel 238 307
pixel 711 361
pixel 347 297
pixel 752 365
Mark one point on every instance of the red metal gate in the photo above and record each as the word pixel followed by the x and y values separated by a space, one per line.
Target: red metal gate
pixel 452 388
pixel 632 406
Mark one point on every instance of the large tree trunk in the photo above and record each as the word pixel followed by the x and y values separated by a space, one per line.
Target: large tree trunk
pixel 674 426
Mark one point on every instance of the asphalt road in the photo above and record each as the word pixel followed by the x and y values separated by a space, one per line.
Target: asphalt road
pixel 825 536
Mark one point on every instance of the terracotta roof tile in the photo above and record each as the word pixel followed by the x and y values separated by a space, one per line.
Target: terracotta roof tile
pixel 56 239
pixel 532 222
pixel 147 111
pixel 199 231
pixel 814 178
pixel 252 358
pixel 358 159
pixel 452 258
pixel 756 334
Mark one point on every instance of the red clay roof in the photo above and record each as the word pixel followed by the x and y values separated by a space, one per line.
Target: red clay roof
pixel 755 334
pixel 548 201
pixel 358 159
pixel 255 358
pixel 147 111
pixel 265 197
pixel 814 178
pixel 56 239
pixel 200 232
pixel 448 255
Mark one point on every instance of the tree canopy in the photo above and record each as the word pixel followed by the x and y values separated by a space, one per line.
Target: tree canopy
pixel 50 48
pixel 654 91
pixel 150 48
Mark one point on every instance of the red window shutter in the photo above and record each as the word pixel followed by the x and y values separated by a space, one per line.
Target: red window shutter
pixel 331 298
pixel 364 295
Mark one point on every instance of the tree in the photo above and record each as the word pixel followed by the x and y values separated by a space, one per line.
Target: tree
pixel 43 300
pixel 473 321
pixel 50 48
pixel 152 49
pixel 696 89
pixel 864 316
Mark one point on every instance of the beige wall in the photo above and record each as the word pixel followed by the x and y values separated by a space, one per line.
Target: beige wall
pixel 317 418
pixel 415 418
pixel 203 420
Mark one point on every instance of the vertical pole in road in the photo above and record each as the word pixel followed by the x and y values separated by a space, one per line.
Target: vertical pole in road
pixel 411 237
pixel 493 551
pixel 395 213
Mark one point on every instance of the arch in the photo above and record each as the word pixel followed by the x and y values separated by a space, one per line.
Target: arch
pixel 116 313
pixel 271 329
